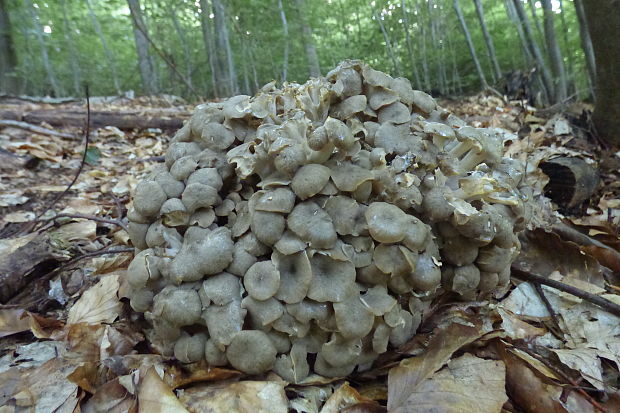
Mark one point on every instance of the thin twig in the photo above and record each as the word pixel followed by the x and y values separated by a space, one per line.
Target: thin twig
pixel 605 304
pixel 545 300
pixel 116 222
pixel 119 207
pixel 79 171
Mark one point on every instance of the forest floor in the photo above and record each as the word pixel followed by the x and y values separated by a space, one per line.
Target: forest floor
pixel 68 342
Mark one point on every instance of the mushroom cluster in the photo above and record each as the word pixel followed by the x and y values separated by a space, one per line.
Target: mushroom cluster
pixel 306 228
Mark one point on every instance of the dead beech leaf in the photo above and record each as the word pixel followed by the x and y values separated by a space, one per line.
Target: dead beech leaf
pixel 467 384
pixel 585 361
pixel 403 379
pixel 154 396
pixel 76 231
pixel 344 397
pixel 177 376
pixel 243 396
pixel 99 304
pixel 518 329
pixel 13 321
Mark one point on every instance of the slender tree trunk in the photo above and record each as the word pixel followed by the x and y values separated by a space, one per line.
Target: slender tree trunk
pixel 343 15
pixel 388 43
pixel 227 62
pixel 555 55
pixel 184 45
pixel 435 20
pixel 470 43
pixel 422 40
pixel 488 40
pixel 570 74
pixel 74 57
pixel 535 50
pixel 308 41
pixel 106 50
pixel 512 15
pixel 49 70
pixel 604 26
pixel 209 41
pixel 586 45
pixel 286 41
pixel 536 20
pixel 145 63
pixel 8 57
pixel 412 57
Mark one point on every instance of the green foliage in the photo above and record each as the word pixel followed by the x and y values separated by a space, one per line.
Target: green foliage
pixel 341 29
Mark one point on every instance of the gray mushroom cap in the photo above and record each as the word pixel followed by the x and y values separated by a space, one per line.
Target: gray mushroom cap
pixel 309 180
pixel 312 224
pixel 251 351
pixel 262 280
pixel 386 222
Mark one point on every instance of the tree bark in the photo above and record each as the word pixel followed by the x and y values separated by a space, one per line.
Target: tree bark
pixel 412 57
pixel 388 43
pixel 314 68
pixel 422 37
pixel 470 43
pixel 224 51
pixel 604 26
pixel 512 15
pixel 8 57
pixel 586 45
pixel 51 77
pixel 74 58
pixel 106 50
pixel 566 47
pixel 209 41
pixel 555 55
pixel 488 40
pixel 535 19
pixel 535 50
pixel 184 45
pixel 286 41
pixel 145 62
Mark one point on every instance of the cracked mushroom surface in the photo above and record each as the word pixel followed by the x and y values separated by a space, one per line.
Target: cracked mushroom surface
pixel 292 230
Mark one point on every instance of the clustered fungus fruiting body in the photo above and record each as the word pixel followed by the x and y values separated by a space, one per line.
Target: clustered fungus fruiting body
pixel 306 229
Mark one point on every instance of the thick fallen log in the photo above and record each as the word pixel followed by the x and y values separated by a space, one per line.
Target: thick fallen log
pixel 127 120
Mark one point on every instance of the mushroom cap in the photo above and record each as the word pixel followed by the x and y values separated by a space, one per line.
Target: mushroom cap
pixel 183 167
pixel 293 367
pixel 216 136
pixel 206 176
pixel 348 176
pixel 347 215
pixel 224 321
pixel 222 288
pixel 312 224
pixel 279 200
pixel 251 352
pixel 189 349
pixel 267 226
pixel 295 276
pixel 199 195
pixel 353 318
pixel 262 280
pixel 386 222
pixel 180 307
pixel 148 198
pixel 263 313
pixel 332 280
pixel 309 180
pixel 340 351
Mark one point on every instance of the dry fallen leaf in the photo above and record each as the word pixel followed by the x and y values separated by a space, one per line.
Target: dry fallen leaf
pixel 467 384
pixel 344 397
pixel 155 396
pixel 243 396
pixel 13 321
pixel 403 379
pixel 99 304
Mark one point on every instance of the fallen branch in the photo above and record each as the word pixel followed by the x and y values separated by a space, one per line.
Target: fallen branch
pixel 116 222
pixel 35 129
pixel 605 304
pixel 126 120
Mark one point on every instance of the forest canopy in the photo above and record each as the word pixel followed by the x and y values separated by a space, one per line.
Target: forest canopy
pixel 214 48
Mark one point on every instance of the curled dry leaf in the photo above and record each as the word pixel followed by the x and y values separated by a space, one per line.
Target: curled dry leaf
pixel 243 396
pixel 405 378
pixel 99 304
pixel 347 397
pixel 467 384
pixel 155 396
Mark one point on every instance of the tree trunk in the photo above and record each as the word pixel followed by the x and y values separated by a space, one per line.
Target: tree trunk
pixel 412 57
pixel 286 41
pixel 106 50
pixel 566 47
pixel 8 58
pixel 388 43
pixel 535 50
pixel 209 41
pixel 145 63
pixel 470 43
pixel 51 77
pixel 306 36
pixel 437 43
pixel 184 45
pixel 586 45
pixel 535 19
pixel 555 55
pixel 74 57
pixel 422 37
pixel 225 55
pixel 604 27
pixel 512 15
pixel 488 40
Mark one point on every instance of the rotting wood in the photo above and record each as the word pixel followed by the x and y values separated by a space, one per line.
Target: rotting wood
pixel 35 129
pixel 125 120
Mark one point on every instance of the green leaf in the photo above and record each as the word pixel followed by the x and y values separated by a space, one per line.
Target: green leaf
pixel 92 155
